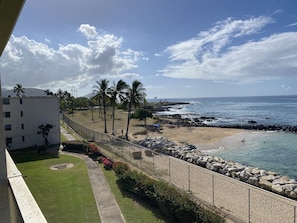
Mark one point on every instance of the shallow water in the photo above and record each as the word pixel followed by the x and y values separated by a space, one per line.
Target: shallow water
pixel 275 151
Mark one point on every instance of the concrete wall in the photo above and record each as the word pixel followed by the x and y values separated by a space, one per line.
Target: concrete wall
pixel 26 114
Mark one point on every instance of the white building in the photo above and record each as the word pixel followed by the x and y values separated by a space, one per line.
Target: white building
pixel 22 117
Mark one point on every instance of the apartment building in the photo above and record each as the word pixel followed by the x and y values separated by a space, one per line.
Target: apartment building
pixel 22 117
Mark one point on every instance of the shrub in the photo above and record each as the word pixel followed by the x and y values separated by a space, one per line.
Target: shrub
pixel 93 148
pixel 173 203
pixel 120 168
pixel 74 146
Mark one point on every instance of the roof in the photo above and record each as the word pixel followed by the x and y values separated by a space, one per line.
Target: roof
pixel 29 92
pixel 9 12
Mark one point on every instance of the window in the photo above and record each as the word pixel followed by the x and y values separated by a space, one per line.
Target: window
pixel 22 125
pixel 23 138
pixel 21 101
pixel 6 114
pixel 5 101
pixel 22 114
pixel 8 141
pixel 7 127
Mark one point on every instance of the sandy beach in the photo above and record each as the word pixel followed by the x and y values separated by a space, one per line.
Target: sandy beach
pixel 205 138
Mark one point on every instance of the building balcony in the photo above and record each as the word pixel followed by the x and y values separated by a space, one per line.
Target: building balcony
pixel 21 206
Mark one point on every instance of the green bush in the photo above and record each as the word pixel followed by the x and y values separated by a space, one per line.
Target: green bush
pixel 74 146
pixel 120 168
pixel 173 203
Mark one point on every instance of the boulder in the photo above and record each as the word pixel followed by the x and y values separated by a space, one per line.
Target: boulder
pixel 270 178
pixel 292 195
pixel 265 184
pixel 253 181
pixel 201 162
pixel 209 166
pixel 276 188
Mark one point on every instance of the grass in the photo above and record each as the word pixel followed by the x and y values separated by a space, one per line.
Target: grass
pixel 62 195
pixel 132 208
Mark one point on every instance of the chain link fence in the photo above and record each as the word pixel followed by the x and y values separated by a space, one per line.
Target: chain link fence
pixel 240 201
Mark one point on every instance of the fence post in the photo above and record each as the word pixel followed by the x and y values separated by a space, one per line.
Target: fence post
pixel 294 214
pixel 153 164
pixel 140 159
pixel 249 205
pixel 169 169
pixel 213 192
pixel 189 179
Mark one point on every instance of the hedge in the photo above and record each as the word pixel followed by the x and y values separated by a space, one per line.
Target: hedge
pixel 74 146
pixel 175 204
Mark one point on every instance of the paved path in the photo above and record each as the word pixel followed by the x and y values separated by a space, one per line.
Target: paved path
pixel 108 208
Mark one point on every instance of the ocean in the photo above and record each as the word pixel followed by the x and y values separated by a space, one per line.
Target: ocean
pixel 268 150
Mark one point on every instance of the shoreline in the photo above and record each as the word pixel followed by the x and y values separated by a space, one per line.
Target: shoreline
pixel 200 150
pixel 205 138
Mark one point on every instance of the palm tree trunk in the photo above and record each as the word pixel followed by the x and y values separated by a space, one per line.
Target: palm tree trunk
pixel 113 117
pixel 92 113
pixel 104 112
pixel 128 122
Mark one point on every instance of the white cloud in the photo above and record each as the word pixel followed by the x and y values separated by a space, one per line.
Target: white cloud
pixel 292 24
pixel 88 31
pixel 35 64
pixel 209 56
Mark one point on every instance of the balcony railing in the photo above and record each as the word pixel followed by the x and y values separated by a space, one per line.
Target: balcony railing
pixel 23 207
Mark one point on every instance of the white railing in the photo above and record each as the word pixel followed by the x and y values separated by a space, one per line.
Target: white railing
pixel 23 207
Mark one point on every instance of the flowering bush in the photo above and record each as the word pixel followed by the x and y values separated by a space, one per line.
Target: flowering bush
pixel 93 151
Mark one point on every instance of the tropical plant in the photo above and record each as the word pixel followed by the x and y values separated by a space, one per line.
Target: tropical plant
pixel 66 101
pixel 18 89
pixel 134 96
pixel 48 92
pixel 101 90
pixel 116 92
pixel 142 114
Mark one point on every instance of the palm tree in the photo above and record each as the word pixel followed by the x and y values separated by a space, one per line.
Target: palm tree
pixel 117 91
pixel 134 96
pixel 48 92
pixel 18 89
pixel 101 89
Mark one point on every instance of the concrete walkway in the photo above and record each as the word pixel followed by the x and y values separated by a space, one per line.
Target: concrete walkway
pixel 108 208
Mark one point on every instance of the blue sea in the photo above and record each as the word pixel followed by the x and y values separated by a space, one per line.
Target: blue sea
pixel 275 151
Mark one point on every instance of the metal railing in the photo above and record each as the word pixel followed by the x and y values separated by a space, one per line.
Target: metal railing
pixel 240 201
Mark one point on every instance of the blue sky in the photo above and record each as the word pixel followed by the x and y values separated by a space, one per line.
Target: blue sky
pixel 177 49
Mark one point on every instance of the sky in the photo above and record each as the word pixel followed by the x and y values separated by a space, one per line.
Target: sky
pixel 175 48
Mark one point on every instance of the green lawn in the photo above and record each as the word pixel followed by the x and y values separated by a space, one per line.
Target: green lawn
pixel 133 209
pixel 66 195
pixel 62 195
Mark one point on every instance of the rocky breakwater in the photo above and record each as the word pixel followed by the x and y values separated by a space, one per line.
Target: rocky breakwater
pixel 267 180
pixel 210 121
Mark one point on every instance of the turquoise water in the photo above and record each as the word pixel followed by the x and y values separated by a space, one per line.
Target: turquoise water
pixel 275 151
